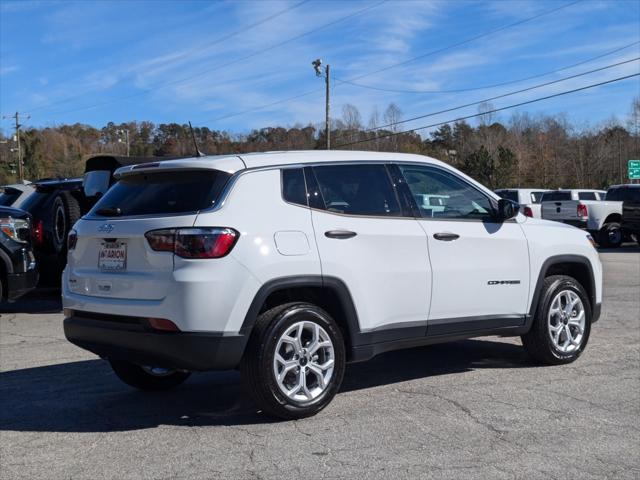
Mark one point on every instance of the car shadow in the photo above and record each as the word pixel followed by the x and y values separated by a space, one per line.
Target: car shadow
pixel 624 248
pixel 37 301
pixel 86 396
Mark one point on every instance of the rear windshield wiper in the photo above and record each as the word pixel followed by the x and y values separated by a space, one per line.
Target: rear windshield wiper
pixel 109 212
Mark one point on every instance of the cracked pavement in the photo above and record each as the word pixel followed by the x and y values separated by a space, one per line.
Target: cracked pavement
pixel 465 410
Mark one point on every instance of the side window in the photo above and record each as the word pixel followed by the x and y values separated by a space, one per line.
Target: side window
pixel 293 187
pixel 356 190
pixel 440 194
pixel 536 197
pixel 587 196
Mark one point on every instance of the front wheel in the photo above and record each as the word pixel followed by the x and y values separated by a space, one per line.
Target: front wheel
pixel 147 378
pixel 294 361
pixel 562 323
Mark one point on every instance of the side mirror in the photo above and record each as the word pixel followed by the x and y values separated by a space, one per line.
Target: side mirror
pixel 507 209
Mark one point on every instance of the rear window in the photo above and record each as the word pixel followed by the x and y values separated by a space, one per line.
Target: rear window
pixel 624 195
pixel 556 196
pixel 163 193
pixel 509 195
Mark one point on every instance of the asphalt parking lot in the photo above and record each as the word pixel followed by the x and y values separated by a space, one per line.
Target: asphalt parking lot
pixel 472 409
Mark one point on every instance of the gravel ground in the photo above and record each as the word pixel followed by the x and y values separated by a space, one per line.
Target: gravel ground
pixel 471 409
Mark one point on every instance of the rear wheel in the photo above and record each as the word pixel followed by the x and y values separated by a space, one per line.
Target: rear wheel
pixel 148 378
pixel 562 323
pixel 610 235
pixel 294 362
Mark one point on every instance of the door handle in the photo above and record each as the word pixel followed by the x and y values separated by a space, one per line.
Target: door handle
pixel 446 236
pixel 340 234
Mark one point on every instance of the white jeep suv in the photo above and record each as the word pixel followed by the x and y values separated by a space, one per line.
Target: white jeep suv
pixel 288 265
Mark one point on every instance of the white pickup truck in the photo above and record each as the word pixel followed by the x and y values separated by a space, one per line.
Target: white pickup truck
pixel 528 198
pixel 586 209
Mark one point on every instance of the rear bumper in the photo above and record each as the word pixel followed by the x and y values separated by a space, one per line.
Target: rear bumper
pixel 130 339
pixel 20 283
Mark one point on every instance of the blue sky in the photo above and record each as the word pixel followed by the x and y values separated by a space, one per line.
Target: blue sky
pixel 96 61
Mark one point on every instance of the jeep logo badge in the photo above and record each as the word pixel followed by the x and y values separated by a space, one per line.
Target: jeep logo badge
pixel 106 228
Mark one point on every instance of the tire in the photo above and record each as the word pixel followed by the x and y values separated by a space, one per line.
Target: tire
pixel 277 331
pixel 142 378
pixel 610 235
pixel 65 212
pixel 539 342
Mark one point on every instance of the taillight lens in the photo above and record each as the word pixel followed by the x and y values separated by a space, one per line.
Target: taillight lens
pixel 582 210
pixel 528 212
pixel 38 233
pixel 72 239
pixel 197 242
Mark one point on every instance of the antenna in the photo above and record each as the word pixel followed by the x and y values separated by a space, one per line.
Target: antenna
pixel 195 143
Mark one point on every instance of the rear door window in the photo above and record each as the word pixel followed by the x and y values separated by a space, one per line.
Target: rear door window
pixel 587 196
pixel 162 193
pixel 536 197
pixel 356 190
pixel 624 195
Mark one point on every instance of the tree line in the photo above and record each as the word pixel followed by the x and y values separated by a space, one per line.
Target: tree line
pixel 527 151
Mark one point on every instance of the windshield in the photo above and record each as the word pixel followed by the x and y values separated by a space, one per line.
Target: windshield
pixel 162 193
pixel 9 196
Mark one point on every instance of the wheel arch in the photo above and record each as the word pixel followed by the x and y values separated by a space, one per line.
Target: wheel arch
pixel 329 293
pixel 612 218
pixel 575 266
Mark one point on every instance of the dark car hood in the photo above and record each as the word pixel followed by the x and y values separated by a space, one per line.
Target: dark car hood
pixel 13 212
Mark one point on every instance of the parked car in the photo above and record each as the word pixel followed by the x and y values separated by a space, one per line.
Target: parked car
pixel 287 265
pixel 630 196
pixel 586 209
pixel 14 195
pixel 528 198
pixel 55 206
pixel 18 272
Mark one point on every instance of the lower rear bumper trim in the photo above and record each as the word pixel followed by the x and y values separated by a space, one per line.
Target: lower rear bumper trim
pixel 195 351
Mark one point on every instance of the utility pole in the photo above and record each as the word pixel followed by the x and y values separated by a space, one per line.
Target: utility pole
pixel 317 65
pixel 125 132
pixel 16 117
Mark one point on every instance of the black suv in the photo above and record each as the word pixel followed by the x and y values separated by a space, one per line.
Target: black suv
pixel 55 206
pixel 629 195
pixel 18 272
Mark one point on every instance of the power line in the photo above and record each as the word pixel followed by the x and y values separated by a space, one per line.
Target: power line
pixel 206 45
pixel 224 65
pixel 468 40
pixel 501 96
pixel 459 119
pixel 433 52
pixel 484 87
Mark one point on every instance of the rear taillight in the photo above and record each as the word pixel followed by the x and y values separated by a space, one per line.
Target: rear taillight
pixel 72 239
pixel 197 242
pixel 582 210
pixel 528 212
pixel 38 233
